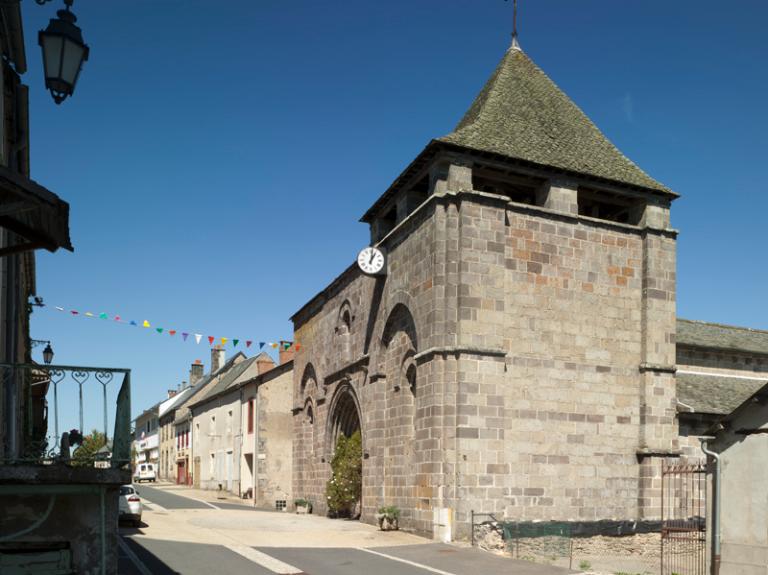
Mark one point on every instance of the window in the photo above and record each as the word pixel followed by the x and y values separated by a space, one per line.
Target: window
pixel 212 467
pixel 229 421
pixel 197 431
pixel 250 415
pixel 213 424
pixel 280 504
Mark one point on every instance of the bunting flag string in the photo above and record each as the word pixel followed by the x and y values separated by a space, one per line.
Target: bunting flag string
pixel 282 345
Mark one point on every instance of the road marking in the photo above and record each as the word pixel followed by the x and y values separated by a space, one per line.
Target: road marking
pixel 411 563
pixel 132 556
pixel 266 561
pixel 203 501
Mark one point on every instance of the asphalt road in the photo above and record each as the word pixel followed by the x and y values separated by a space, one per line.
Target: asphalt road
pixel 184 535
pixel 172 501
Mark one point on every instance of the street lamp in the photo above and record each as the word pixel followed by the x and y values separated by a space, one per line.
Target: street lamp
pixel 48 354
pixel 63 53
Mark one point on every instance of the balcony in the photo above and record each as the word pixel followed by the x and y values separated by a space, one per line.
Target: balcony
pixel 61 498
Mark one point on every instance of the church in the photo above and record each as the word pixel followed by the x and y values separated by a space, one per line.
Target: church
pixel 509 343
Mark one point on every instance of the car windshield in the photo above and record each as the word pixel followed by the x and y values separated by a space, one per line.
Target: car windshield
pixel 126 490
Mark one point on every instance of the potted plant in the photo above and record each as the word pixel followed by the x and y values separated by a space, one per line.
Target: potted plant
pixel 387 517
pixel 303 506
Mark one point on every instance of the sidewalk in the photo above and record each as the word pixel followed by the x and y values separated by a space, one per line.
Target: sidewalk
pixel 203 494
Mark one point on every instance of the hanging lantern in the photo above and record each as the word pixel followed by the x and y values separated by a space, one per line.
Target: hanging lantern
pixel 63 53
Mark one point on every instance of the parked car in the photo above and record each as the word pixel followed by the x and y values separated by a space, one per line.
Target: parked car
pixel 144 472
pixel 129 505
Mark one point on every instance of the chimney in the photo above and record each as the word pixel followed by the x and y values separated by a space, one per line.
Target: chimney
pixel 286 351
pixel 217 358
pixel 264 364
pixel 195 372
pixel 171 393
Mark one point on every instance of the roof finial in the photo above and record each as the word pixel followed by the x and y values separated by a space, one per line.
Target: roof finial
pixel 515 43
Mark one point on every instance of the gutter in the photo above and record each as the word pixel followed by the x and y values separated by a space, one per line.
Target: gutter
pixel 715 507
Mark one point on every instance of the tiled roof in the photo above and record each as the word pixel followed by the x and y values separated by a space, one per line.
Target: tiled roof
pixel 715 394
pixel 724 337
pixel 520 113
pixel 229 379
pixel 182 410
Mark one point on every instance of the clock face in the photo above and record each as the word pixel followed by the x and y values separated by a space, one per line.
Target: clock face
pixel 371 260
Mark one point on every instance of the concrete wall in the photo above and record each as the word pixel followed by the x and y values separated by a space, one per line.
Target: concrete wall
pixel 543 348
pixel 57 515
pixel 271 440
pixel 744 523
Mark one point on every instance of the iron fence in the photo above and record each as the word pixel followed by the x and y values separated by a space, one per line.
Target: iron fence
pixel 41 441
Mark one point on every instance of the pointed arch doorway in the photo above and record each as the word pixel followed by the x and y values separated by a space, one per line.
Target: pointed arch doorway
pixel 346 454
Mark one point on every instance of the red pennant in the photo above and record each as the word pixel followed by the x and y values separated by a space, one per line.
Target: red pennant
pixel 172 331
pixel 75 312
pixel 248 343
pixel 210 339
pixel 117 318
pixel 298 347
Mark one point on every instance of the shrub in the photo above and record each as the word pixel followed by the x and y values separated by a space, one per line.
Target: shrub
pixel 390 512
pixel 344 488
pixel 585 565
pixel 302 503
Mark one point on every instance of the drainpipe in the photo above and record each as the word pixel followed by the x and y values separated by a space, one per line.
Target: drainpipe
pixel 715 508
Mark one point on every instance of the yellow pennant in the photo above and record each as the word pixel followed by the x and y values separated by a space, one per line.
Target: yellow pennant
pixel 146 324
pixel 224 340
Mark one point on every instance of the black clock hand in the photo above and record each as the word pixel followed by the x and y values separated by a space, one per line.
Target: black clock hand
pixel 373 253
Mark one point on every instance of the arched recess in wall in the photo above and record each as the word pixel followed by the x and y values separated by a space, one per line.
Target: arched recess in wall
pixel 399 346
pixel 309 424
pixel 344 414
pixel 308 381
pixel 344 331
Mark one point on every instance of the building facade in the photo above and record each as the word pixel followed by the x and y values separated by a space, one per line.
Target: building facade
pixel 217 422
pixel 266 468
pixel 518 356
pixel 146 442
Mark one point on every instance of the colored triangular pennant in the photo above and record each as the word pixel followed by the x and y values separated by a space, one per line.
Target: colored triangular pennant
pixel 103 315
pixel 287 345
pixel 224 340
pixel 159 329
pixel 198 337
pixel 235 342
pixel 59 308
pixel 298 347
pixel 89 314
pixel 261 345
pixel 248 343
pixel 273 345
pixel 210 339
pixel 133 322
pixel 75 312
pixel 146 324
pixel 184 336
pixel 117 318
pixel 172 331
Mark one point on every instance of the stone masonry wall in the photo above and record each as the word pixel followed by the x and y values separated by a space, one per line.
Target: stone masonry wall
pixel 542 345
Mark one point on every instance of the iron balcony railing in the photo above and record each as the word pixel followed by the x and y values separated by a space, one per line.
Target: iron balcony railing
pixel 41 440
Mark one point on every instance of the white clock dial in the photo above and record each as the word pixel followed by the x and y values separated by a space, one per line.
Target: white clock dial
pixel 371 260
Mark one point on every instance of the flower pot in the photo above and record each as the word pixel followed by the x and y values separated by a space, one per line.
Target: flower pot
pixel 388 524
pixel 303 509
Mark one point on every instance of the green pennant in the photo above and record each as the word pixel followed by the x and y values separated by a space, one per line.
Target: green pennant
pixel 159 329
pixel 103 315
pixel 235 342
pixel 287 345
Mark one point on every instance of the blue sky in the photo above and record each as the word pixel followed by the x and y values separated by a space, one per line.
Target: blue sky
pixel 218 155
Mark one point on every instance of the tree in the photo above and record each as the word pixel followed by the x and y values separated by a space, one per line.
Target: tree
pixel 86 453
pixel 344 488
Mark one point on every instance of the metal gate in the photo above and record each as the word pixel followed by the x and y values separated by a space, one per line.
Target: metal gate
pixel 684 519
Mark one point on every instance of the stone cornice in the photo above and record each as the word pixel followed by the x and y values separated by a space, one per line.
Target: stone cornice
pixel 459 350
pixel 657 368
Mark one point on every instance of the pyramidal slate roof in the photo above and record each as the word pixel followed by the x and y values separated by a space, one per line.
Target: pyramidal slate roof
pixel 520 113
